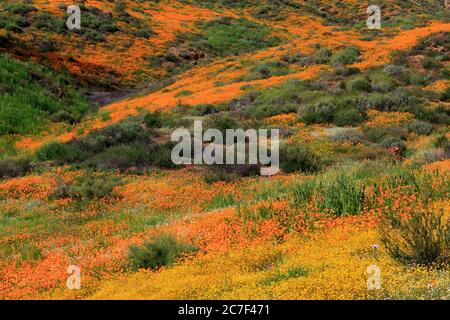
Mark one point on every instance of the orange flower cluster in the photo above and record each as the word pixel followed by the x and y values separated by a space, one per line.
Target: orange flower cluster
pixel 283 120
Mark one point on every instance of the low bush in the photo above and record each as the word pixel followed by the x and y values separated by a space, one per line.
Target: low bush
pixel 320 112
pixel 394 70
pixel 161 156
pixel 162 250
pixel 88 187
pixel 121 157
pixel 446 95
pixel 54 151
pixel 397 101
pixel 345 56
pixel 295 158
pixel 218 174
pixel 283 98
pixel 432 155
pixel 378 134
pixel 266 70
pixel 14 168
pixel 222 122
pixel 441 141
pixel 393 142
pixel 348 135
pixel 143 33
pixel 157 120
pixel 119 146
pixel 417 79
pixel 348 117
pixel 322 56
pixel 202 110
pixel 358 84
pixel 422 238
pixel 63 116
pixel 420 127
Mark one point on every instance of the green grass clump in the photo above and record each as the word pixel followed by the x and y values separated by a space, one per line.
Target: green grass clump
pixel 296 272
pixel 162 250
pixel 341 195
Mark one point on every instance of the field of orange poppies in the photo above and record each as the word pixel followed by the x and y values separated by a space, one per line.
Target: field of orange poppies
pixel 93 207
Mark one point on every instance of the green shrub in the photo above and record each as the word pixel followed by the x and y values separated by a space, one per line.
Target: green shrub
pixel 202 110
pixel 378 134
pixel 295 158
pixel 432 155
pixel 121 157
pixel 382 81
pixel 441 141
pixel 283 98
pixel 45 21
pixel 345 71
pixel 417 79
pixel 348 117
pixel 20 8
pixel 162 250
pixel 319 112
pixel 350 135
pixel 423 238
pixel 393 142
pixel 222 122
pixel 161 157
pixel 446 95
pixel 383 86
pixel 53 151
pixel 218 174
pixel 345 56
pixel 157 120
pixel 183 93
pixel 396 101
pixel 322 56
pixel 431 63
pixel 420 127
pixel 153 120
pixel 63 116
pixel 394 70
pixel 358 84
pixel 88 187
pixel 267 70
pixel 121 133
pixel 14 168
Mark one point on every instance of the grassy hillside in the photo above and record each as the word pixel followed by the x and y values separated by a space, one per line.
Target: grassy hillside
pixel 86 177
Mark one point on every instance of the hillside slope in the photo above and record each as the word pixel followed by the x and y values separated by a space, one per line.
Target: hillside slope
pixel 86 176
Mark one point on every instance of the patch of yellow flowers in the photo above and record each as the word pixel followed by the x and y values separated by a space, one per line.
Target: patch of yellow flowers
pixel 333 266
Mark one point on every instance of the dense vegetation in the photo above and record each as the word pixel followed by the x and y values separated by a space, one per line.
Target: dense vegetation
pixel 363 117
